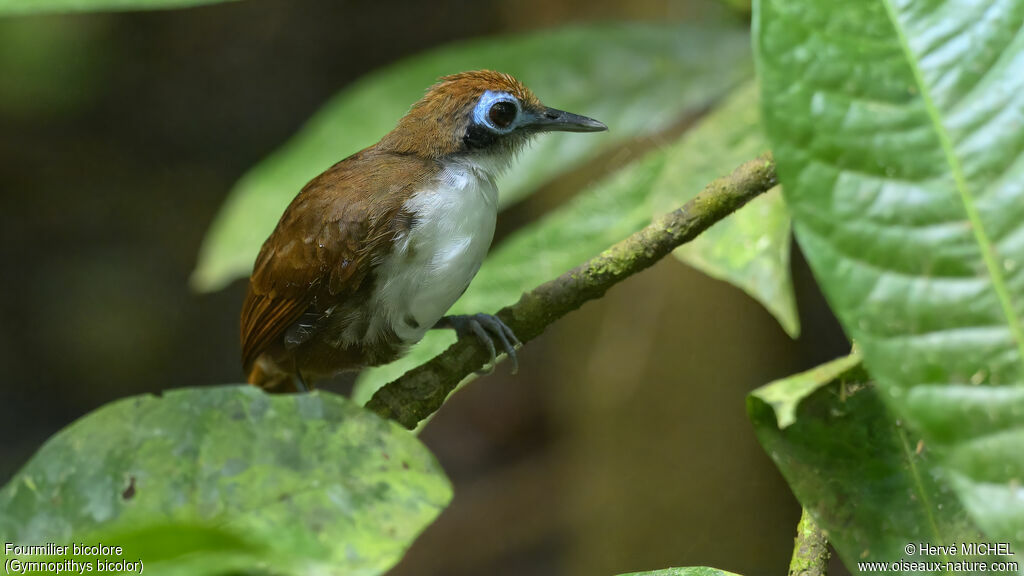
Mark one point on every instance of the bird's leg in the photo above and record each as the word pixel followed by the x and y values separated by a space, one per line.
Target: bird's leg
pixel 300 382
pixel 485 328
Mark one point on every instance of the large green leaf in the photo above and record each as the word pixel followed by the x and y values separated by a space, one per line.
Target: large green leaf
pixel 48 6
pixel 868 481
pixel 749 249
pixel 696 571
pixel 637 78
pixel 754 242
pixel 898 128
pixel 300 483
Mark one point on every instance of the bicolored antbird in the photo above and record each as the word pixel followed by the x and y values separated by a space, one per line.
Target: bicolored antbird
pixel 373 252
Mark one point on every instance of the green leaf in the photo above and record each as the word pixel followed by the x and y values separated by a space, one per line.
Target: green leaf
pixel 637 78
pixel 785 395
pixel 868 481
pixel 184 549
pixel 21 7
pixel 749 249
pixel 697 571
pixel 300 483
pixel 897 128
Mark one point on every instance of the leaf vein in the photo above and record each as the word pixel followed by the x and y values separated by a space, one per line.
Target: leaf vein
pixel 977 225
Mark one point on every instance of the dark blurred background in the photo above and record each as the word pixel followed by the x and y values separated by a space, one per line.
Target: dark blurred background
pixel 623 443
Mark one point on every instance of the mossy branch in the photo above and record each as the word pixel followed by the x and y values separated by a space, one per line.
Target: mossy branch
pixel 810 550
pixel 421 391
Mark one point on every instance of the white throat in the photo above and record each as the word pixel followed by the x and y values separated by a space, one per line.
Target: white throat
pixel 489 165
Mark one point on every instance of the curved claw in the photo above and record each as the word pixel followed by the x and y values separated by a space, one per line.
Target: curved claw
pixel 486 327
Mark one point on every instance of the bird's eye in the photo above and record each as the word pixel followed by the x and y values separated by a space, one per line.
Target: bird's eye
pixel 502 114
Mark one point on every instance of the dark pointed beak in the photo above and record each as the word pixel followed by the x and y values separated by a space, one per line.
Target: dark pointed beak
pixel 554 120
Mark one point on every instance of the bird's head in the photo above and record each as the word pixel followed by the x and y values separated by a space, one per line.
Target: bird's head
pixel 480 114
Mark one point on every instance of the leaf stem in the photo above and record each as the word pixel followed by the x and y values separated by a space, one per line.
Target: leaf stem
pixel 810 550
pixel 421 391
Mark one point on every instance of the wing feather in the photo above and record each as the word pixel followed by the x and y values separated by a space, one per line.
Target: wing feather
pixel 322 249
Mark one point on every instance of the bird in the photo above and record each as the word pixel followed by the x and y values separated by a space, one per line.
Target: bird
pixel 372 253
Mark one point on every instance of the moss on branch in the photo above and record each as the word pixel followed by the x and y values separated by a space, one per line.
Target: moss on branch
pixel 421 391
pixel 810 550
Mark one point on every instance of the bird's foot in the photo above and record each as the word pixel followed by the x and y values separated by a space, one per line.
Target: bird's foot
pixel 300 383
pixel 488 329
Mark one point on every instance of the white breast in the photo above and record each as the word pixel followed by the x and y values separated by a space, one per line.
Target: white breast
pixel 432 265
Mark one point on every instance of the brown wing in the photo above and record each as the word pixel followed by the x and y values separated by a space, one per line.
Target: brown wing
pixel 327 242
